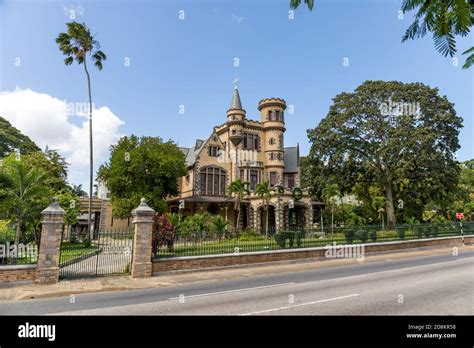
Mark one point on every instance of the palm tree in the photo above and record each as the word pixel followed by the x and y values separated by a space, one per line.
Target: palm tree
pixel 295 3
pixel 77 190
pixel 76 43
pixel 264 191
pixel 378 203
pixel 329 192
pixel 240 189
pixel 23 193
pixel 219 225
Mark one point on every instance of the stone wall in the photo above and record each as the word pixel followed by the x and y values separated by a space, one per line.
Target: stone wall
pixel 201 262
pixel 12 273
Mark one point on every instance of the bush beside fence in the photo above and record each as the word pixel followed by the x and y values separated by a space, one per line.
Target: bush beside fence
pixel 200 244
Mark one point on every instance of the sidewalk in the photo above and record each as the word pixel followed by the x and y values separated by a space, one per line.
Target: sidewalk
pixel 10 291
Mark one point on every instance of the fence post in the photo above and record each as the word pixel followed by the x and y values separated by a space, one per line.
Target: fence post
pixel 143 226
pixel 48 257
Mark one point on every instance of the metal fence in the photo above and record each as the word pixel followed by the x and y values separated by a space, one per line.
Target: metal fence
pixel 204 243
pixel 110 252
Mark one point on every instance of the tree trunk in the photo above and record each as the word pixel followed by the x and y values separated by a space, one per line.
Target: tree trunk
pixel 238 219
pixel 266 221
pixel 91 156
pixel 391 220
pixel 17 239
pixel 332 218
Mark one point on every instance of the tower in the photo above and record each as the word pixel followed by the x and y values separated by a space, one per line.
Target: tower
pixel 236 122
pixel 273 121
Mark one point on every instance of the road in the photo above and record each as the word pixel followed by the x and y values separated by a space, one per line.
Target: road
pixel 428 285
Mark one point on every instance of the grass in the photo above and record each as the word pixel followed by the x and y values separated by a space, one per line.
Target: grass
pixel 70 251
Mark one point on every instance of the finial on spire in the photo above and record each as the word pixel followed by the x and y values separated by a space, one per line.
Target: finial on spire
pixel 236 81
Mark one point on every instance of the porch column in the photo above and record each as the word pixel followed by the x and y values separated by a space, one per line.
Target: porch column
pixel 309 217
pixel 142 246
pixel 279 218
pixel 48 257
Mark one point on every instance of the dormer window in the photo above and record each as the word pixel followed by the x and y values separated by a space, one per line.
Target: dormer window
pixel 213 151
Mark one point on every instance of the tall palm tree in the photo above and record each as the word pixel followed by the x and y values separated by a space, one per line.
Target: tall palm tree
pixel 329 192
pixel 240 190
pixel 264 191
pixel 76 44
pixel 295 3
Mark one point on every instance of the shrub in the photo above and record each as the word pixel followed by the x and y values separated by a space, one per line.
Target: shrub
pixel 163 233
pixel 219 225
pixel 7 234
pixel 361 234
pixel 291 238
pixel 349 235
pixel 372 235
pixel 280 239
pixel 401 232
pixel 298 238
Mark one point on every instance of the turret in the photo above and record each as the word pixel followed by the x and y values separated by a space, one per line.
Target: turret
pixel 273 120
pixel 236 118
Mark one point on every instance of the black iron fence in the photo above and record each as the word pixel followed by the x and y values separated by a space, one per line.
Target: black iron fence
pixel 110 252
pixel 207 243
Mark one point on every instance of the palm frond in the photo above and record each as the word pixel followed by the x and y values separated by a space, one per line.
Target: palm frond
pixel 445 44
pixel 469 60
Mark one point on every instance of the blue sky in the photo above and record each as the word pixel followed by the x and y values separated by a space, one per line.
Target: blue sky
pixel 190 62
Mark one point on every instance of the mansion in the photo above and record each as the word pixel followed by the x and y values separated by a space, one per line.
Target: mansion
pixel 253 151
pixel 242 148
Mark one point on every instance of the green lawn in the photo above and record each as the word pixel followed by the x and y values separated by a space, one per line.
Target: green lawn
pixel 70 251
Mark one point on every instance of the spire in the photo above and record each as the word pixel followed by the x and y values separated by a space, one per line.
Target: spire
pixel 235 103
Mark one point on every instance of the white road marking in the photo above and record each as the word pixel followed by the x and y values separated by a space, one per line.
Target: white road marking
pixel 300 304
pixel 236 290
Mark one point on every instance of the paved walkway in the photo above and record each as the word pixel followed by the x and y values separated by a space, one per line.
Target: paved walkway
pixel 12 291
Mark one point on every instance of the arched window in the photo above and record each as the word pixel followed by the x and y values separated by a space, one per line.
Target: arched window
pixel 213 181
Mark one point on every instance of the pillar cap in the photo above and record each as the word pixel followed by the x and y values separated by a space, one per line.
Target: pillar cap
pixel 54 208
pixel 143 209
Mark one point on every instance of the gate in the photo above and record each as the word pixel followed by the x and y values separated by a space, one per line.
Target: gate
pixel 110 252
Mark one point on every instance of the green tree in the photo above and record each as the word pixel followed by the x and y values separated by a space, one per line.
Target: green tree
pixel 399 137
pixel 200 221
pixel 240 190
pixel 329 193
pixel 445 19
pixel 76 44
pixel 53 164
pixel 142 167
pixel 23 193
pixel 11 140
pixel 219 225
pixel 264 191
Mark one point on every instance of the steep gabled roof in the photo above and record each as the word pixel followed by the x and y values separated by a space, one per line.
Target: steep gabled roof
pixel 291 158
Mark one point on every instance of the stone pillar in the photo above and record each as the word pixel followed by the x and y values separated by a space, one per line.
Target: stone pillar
pixel 143 224
pixel 49 250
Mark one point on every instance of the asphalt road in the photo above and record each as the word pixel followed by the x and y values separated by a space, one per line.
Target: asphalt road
pixel 428 285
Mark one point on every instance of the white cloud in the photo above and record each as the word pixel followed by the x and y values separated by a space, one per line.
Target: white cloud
pixel 47 121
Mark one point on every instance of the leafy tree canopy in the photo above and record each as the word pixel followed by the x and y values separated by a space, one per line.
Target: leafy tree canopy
pixel 142 167
pixel 401 137
pixel 11 140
